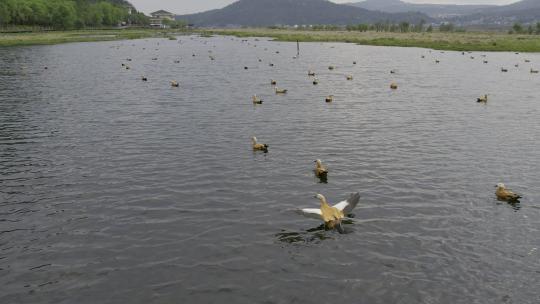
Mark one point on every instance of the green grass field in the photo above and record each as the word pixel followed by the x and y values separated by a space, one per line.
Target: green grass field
pixel 468 41
pixel 55 37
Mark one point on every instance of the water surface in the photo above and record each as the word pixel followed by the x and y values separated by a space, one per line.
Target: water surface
pixel 114 190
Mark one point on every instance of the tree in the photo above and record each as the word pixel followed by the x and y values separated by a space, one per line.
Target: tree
pixel 5 16
pixel 429 29
pixel 65 13
pixel 420 26
pixel 446 27
pixel 404 27
pixel 517 28
pixel 40 13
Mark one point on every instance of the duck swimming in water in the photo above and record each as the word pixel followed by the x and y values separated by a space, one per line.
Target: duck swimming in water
pixel 505 194
pixel 256 100
pixel 320 170
pixel 482 98
pixel 273 82
pixel 281 91
pixel 257 146
pixel 393 86
pixel 349 77
pixel 332 215
pixel 329 98
pixel 174 83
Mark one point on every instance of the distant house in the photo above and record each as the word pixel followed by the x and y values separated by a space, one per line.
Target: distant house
pixel 157 18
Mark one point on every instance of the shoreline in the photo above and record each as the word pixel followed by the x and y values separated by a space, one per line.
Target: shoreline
pixel 59 37
pixel 468 41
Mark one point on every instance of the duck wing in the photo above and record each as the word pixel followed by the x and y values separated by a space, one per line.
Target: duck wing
pixel 313 213
pixel 348 205
pixel 513 195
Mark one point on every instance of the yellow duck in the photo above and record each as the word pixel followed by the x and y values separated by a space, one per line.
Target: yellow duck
pixel 482 98
pixel 320 170
pixel 505 194
pixel 256 100
pixel 257 146
pixel 332 215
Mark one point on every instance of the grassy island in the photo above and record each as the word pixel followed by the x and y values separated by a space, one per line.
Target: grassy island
pixel 458 41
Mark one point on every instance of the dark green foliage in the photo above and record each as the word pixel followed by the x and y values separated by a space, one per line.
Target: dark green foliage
pixel 446 27
pixel 517 28
pixel 532 29
pixel 402 27
pixel 67 14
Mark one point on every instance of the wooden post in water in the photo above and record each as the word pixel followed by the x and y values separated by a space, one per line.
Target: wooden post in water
pixel 297 48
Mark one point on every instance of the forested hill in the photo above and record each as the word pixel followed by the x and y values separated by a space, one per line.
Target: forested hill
pixel 67 14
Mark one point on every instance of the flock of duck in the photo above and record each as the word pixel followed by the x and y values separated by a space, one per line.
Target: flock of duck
pixel 332 215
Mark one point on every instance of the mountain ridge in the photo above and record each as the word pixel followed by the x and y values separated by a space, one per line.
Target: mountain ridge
pixel 432 10
pixel 294 12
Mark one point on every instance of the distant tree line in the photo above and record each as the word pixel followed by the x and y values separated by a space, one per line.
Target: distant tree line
pixel 402 27
pixel 67 14
pixel 532 29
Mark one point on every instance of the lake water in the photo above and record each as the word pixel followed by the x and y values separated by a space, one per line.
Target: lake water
pixel 114 190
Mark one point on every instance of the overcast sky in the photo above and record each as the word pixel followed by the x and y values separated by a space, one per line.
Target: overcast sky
pixel 192 6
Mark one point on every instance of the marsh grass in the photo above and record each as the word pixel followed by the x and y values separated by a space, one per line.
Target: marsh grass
pixel 468 41
pixel 55 37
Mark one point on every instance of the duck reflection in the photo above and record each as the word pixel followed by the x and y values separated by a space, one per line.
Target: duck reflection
pixel 313 235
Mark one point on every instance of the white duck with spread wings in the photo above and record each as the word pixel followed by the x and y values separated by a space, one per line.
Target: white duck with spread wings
pixel 332 215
